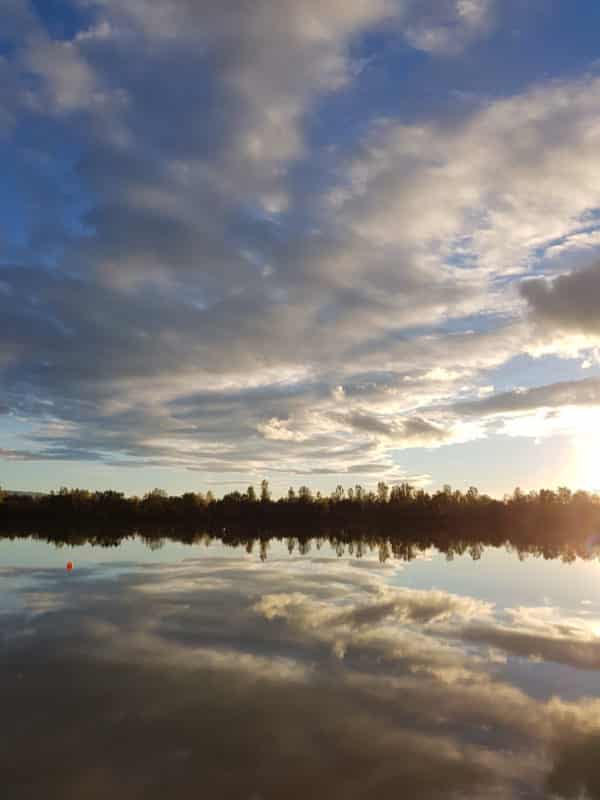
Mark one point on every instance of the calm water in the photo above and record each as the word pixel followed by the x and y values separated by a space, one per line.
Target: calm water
pixel 209 672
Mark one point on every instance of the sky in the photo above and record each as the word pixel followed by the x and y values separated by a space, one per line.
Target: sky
pixel 319 242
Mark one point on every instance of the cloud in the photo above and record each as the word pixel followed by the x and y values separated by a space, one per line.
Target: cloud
pixel 69 84
pixel 555 395
pixel 198 272
pixel 414 431
pixel 446 27
pixel 567 302
pixel 19 455
pixel 271 63
pixel 509 181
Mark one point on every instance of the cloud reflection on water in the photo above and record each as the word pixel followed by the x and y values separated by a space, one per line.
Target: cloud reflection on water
pixel 298 678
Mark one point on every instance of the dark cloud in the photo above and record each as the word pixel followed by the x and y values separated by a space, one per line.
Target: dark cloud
pixel 421 429
pixel 367 422
pixel 402 431
pixel 585 392
pixel 568 302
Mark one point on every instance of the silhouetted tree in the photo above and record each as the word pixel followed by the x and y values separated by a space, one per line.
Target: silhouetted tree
pixel 304 494
pixel 382 492
pixel 265 494
pixel 548 523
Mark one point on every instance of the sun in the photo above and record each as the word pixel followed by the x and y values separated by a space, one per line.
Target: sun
pixel 586 461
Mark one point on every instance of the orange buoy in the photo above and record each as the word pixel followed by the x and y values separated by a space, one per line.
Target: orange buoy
pixel 69 565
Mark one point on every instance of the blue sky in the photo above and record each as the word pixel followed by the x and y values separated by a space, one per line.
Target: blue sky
pixel 320 242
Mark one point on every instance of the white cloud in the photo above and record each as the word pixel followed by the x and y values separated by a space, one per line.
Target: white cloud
pixel 447 26
pixel 491 191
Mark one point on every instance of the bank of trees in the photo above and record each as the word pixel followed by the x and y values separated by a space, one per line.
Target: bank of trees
pixel 399 511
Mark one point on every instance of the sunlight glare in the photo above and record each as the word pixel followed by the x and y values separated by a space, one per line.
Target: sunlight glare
pixel 586 460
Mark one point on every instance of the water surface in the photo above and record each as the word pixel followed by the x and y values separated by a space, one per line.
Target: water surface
pixel 194 671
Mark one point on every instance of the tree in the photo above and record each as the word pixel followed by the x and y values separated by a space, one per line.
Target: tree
pixel 265 494
pixel 155 493
pixel 338 494
pixel 547 496
pixel 305 494
pixel 402 494
pixel 190 500
pixel 472 494
pixel 564 495
pixel 382 492
pixel 518 495
pixel 251 494
pixel 155 501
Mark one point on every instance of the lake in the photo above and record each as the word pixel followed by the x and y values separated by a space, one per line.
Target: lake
pixel 291 669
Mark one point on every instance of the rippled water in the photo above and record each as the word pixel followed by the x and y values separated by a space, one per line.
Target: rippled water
pixel 192 672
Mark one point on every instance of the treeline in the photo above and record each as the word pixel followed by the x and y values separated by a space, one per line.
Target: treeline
pixel 398 512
